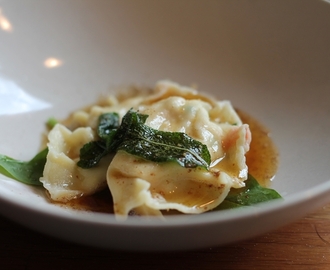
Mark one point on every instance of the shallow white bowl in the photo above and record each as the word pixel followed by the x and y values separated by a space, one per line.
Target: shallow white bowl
pixel 270 58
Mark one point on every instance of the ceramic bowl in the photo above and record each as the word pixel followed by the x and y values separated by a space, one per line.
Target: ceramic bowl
pixel 269 58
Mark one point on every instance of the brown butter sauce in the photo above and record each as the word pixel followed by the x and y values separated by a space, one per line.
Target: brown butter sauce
pixel 263 158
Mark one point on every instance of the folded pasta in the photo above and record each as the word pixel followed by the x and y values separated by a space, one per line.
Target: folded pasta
pixel 143 186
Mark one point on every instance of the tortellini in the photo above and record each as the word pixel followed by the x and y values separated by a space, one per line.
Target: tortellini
pixel 63 179
pixel 148 186
pixel 142 186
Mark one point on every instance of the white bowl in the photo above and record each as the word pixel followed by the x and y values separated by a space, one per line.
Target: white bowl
pixel 270 58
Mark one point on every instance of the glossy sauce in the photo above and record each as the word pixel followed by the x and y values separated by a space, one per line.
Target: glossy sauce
pixel 262 161
pixel 263 157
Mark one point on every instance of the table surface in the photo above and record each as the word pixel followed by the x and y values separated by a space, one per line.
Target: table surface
pixel 304 244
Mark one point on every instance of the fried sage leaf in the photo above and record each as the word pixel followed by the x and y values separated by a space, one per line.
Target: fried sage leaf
pixel 136 138
pixel 91 153
pixel 161 146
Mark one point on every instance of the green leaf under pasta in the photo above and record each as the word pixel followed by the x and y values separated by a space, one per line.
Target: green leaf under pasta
pixel 26 172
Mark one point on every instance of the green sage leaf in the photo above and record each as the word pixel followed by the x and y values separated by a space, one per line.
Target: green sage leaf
pixel 26 172
pixel 160 146
pixel 251 194
pixel 136 138
pixel 108 125
pixel 91 154
pixel 51 122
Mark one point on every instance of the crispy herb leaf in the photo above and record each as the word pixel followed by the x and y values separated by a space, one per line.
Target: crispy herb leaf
pixel 251 194
pixel 136 138
pixel 92 152
pixel 25 172
pixel 160 146
pixel 108 125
